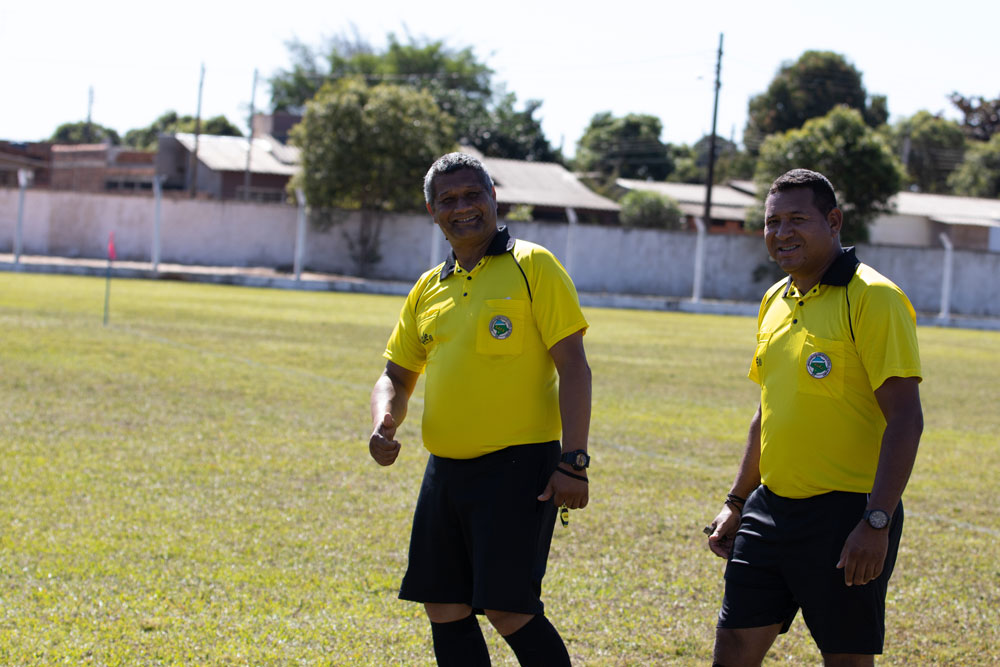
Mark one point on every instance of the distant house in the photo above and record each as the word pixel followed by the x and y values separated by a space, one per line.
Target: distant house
pixel 553 192
pixel 729 204
pixel 223 164
pixel 101 168
pixel 971 223
pixel 34 157
pixel 277 124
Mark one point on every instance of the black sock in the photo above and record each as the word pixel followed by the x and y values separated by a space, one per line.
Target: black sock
pixel 538 644
pixel 460 643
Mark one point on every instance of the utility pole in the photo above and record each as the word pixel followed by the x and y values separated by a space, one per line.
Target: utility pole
pixel 246 174
pixel 193 171
pixel 90 107
pixel 711 138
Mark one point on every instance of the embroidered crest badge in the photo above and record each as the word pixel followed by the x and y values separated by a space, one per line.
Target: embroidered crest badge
pixel 501 327
pixel 818 365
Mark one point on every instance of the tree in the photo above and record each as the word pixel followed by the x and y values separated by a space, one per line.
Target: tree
pixel 855 158
pixel 368 148
pixel 147 138
pixel 626 147
pixel 83 132
pixel 982 116
pixel 979 174
pixel 643 208
pixel 462 87
pixel 809 88
pixel 930 148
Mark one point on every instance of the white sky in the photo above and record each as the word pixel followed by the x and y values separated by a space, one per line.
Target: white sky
pixel 579 58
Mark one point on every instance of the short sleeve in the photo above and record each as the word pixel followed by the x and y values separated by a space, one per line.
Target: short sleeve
pixel 886 335
pixel 404 347
pixel 555 304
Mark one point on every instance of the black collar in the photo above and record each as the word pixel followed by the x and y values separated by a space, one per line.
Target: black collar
pixel 839 273
pixel 501 242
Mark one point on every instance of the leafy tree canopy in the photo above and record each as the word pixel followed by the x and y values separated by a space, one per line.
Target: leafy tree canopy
pixel 485 116
pixel 369 147
pixel 82 132
pixel 809 88
pixel 146 138
pixel 626 147
pixel 642 208
pixel 930 147
pixel 982 116
pixel 855 158
pixel 979 174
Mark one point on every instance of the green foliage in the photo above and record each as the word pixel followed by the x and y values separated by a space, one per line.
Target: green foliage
pixel 368 147
pixel 82 132
pixel 626 147
pixel 808 88
pixel 484 116
pixel 842 147
pixel 643 208
pixel 982 116
pixel 147 138
pixel 979 174
pixel 691 162
pixel 190 486
pixel 521 213
pixel 931 148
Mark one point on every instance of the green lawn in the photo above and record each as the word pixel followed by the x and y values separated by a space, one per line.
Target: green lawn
pixel 191 485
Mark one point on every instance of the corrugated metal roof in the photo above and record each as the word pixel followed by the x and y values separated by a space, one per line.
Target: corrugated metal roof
pixel 693 193
pixel 541 184
pixel 267 156
pixel 949 209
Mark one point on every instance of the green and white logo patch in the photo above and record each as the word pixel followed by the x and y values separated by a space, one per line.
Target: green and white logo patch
pixel 819 365
pixel 501 327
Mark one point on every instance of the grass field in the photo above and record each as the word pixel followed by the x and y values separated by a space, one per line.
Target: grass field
pixel 190 485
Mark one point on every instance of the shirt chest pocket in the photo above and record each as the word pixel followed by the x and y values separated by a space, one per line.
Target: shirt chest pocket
pixel 500 329
pixel 822 367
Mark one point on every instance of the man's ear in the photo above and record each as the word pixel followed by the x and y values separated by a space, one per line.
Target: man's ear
pixel 836 219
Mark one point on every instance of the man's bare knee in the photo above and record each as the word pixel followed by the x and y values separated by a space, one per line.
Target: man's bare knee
pixel 743 647
pixel 446 612
pixel 507 622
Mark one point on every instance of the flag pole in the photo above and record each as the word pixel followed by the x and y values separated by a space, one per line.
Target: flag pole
pixel 107 282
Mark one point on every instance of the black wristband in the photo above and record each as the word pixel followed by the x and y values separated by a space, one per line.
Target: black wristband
pixel 735 499
pixel 574 476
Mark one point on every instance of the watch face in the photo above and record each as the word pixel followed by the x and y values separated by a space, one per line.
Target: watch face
pixel 878 519
pixel 581 459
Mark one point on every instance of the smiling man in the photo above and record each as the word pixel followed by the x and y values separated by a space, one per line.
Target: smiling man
pixel 814 516
pixel 499 332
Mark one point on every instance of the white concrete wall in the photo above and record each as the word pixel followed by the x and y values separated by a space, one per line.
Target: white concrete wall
pixel 605 259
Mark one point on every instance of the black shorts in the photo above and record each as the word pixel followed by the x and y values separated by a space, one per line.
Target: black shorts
pixel 480 535
pixel 785 557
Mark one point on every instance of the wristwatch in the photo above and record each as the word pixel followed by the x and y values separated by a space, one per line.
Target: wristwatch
pixel 877 519
pixel 579 459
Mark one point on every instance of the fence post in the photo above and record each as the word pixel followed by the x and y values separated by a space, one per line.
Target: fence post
pixel 300 232
pixel 949 258
pixel 699 260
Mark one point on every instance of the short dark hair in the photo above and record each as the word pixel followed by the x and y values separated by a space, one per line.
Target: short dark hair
pixel 452 162
pixel 824 197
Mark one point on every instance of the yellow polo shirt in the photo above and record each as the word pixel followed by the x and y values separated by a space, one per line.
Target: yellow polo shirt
pixel 819 358
pixel 483 338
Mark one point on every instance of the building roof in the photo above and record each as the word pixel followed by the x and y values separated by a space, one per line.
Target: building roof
pixel 541 184
pixel 267 156
pixel 727 203
pixel 949 209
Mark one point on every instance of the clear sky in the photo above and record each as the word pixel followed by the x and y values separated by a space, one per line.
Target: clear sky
pixel 579 58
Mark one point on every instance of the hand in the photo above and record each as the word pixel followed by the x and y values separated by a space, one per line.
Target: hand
pixel 863 555
pixel 564 490
pixel 724 528
pixel 381 445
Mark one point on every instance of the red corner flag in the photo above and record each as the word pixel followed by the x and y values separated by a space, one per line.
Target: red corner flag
pixel 111 246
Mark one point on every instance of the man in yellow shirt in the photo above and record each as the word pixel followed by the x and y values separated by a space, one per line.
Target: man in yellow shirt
pixel 814 516
pixel 499 332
